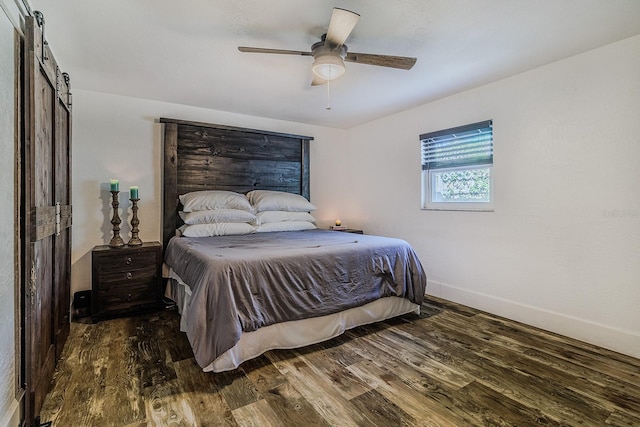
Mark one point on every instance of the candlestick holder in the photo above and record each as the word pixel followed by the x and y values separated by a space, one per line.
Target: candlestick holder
pixel 116 240
pixel 135 240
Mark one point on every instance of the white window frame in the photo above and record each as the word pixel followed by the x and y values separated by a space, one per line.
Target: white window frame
pixel 428 191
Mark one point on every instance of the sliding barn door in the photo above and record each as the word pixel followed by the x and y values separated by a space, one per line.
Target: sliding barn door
pixel 46 214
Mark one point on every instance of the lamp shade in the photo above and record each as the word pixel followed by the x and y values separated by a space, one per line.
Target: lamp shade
pixel 328 67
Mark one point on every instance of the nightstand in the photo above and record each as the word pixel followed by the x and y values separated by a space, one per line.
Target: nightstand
pixel 126 280
pixel 350 230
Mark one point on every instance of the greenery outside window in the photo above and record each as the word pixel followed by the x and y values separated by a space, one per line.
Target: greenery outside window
pixel 457 168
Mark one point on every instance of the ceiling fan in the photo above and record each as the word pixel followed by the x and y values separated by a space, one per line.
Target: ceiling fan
pixel 330 53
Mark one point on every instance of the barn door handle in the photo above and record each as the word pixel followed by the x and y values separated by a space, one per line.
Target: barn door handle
pixel 57 218
pixel 32 284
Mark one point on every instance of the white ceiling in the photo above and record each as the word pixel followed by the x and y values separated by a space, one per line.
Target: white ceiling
pixel 185 52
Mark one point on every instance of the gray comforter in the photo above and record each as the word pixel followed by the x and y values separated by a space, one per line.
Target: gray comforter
pixel 241 283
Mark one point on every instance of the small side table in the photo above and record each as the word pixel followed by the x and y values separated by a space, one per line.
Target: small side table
pixel 350 230
pixel 126 280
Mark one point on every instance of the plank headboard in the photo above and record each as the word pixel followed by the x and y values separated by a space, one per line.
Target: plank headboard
pixel 203 156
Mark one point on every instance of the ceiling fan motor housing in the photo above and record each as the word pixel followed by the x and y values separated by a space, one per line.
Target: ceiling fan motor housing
pixel 328 61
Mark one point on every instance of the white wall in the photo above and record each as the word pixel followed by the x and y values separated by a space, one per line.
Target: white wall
pixel 562 249
pixel 9 414
pixel 120 137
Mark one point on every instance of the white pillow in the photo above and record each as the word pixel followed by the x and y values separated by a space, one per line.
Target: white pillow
pixel 218 229
pixel 279 216
pixel 285 226
pixel 217 215
pixel 267 200
pixel 214 199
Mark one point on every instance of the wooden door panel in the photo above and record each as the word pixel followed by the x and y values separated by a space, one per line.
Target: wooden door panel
pixel 47 220
pixel 42 326
pixel 43 306
pixel 62 277
pixel 62 155
pixel 43 151
pixel 62 250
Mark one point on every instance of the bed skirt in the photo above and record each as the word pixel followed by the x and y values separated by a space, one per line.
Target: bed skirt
pixel 293 334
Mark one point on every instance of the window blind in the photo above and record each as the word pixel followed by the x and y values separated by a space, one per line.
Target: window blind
pixel 467 145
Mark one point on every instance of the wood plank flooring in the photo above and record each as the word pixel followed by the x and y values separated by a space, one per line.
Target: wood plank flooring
pixel 450 366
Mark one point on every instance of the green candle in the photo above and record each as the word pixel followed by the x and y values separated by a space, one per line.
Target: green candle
pixel 133 191
pixel 115 184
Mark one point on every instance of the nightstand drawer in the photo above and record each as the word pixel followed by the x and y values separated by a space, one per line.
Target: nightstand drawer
pixel 128 298
pixel 114 277
pixel 126 262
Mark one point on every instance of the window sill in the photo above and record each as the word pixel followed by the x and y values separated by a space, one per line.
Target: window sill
pixel 458 209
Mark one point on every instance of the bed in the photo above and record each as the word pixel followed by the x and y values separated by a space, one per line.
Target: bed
pixel 242 294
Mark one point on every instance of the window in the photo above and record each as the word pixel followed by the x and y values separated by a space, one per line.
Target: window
pixel 457 168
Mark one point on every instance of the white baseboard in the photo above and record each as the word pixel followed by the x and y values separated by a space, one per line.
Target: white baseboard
pixel 622 341
pixel 12 416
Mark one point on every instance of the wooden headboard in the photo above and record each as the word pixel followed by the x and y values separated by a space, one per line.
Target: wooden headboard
pixel 203 156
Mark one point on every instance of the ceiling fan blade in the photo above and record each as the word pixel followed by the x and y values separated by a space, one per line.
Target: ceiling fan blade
pixel 340 26
pixel 280 51
pixel 317 81
pixel 402 62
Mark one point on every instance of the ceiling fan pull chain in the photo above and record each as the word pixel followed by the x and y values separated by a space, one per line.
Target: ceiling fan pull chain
pixel 328 94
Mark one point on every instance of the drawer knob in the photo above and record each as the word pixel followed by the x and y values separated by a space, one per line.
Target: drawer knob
pixel 129 275
pixel 128 260
pixel 129 297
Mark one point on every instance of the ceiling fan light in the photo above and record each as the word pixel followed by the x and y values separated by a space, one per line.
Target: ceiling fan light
pixel 328 67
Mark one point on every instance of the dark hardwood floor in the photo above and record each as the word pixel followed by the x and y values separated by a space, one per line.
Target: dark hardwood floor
pixel 450 366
